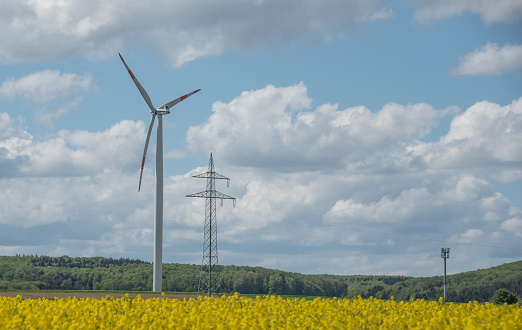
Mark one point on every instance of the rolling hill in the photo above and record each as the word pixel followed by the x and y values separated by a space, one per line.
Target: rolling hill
pixel 98 273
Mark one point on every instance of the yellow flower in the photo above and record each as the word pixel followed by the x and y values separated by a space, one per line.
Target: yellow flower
pixel 236 312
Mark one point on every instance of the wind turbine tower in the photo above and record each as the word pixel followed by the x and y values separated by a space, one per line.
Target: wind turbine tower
pixel 158 197
pixel 208 280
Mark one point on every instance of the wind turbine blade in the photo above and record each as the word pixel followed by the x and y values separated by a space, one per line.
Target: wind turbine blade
pixel 146 146
pixel 176 101
pixel 140 88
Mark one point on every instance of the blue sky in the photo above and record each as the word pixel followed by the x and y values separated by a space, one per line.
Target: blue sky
pixel 360 137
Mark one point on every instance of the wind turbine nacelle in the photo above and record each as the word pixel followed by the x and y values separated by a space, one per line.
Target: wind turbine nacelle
pixel 164 110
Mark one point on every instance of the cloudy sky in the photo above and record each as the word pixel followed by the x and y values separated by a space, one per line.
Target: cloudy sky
pixel 360 137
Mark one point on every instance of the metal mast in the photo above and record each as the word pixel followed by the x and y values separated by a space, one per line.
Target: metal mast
pixel 158 211
pixel 444 253
pixel 208 280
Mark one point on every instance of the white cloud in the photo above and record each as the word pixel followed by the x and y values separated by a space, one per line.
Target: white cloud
pixel 513 225
pixel 470 236
pixel 10 133
pixel 77 216
pixel 491 11
pixel 47 118
pixel 75 153
pixel 490 60
pixel 484 135
pixel 382 14
pixel 292 162
pixel 180 30
pixel 439 206
pixel 8 128
pixel 46 86
pixel 273 125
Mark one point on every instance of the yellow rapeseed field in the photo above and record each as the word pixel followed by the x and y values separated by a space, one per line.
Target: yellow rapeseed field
pixel 236 312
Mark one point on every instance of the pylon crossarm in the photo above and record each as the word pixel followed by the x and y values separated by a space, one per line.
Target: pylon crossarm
pixel 210 194
pixel 212 175
pixel 222 196
pixel 203 194
pixel 233 200
pixel 202 175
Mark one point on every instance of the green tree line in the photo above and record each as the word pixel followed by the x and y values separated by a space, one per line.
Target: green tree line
pixel 479 285
pixel 98 273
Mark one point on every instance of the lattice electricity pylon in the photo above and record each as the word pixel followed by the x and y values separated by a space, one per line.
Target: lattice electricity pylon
pixel 208 278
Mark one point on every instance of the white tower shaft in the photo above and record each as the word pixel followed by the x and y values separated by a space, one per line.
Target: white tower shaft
pixel 158 211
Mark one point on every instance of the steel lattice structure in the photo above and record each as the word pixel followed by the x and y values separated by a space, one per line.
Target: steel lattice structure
pixel 208 279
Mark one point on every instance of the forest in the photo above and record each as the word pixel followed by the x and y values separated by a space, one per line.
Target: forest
pixel 99 273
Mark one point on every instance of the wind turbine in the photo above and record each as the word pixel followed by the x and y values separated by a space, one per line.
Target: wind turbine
pixel 158 210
